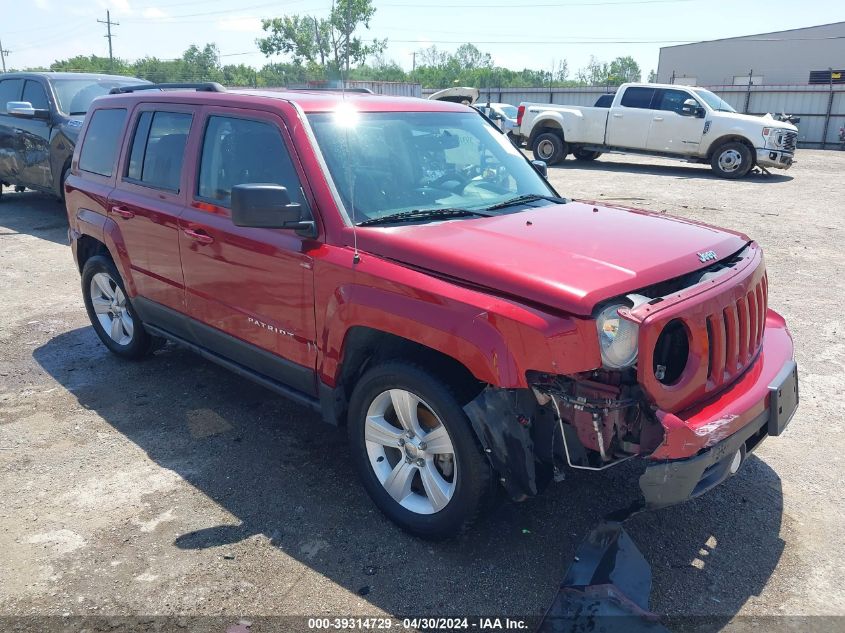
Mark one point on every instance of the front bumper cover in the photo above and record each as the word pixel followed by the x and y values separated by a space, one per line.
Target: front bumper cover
pixel 670 482
pixel 776 159
pixel 673 481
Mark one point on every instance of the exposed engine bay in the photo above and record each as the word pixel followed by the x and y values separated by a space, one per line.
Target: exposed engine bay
pixel 602 417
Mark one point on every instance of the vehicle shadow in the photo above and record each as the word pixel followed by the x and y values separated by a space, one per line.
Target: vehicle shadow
pixel 37 214
pixel 677 170
pixel 285 475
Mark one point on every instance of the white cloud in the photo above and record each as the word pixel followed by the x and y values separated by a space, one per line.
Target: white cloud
pixel 154 13
pixel 240 25
pixel 121 7
pixel 42 4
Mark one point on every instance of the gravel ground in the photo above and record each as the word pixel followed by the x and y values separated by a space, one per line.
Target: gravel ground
pixel 172 486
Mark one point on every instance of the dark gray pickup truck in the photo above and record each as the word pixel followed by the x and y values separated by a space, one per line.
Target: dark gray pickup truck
pixel 40 118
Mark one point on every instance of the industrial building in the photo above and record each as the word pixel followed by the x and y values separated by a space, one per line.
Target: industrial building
pixel 814 54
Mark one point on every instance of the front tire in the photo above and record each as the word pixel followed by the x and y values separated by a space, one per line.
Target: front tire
pixel 549 147
pixel 415 451
pixel 732 160
pixel 110 310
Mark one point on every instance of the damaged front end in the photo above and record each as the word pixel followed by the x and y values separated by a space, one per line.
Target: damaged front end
pixel 591 421
pixel 688 369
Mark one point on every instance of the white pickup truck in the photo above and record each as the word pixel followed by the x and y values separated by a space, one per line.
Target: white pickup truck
pixel 672 121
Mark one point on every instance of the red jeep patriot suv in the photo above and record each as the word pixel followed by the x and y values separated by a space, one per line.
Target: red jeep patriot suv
pixel 401 267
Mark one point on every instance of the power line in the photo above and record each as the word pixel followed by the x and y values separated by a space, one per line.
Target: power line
pixel 109 24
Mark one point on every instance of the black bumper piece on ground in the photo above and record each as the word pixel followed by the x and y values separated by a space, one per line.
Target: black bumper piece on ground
pixel 606 589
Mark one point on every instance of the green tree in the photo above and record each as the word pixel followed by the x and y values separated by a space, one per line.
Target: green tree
pixel 595 73
pixel 330 42
pixel 201 64
pixel 625 69
pixel 90 64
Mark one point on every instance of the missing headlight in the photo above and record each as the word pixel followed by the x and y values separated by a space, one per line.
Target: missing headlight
pixel 671 352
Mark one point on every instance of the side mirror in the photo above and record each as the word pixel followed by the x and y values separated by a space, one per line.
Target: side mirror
pixel 268 206
pixel 24 110
pixel 541 167
pixel 690 107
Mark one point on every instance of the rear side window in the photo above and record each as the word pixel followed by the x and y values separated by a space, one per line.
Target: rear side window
pixel 604 101
pixel 240 151
pixel 158 149
pixel 102 140
pixel 35 94
pixel 638 98
pixel 10 90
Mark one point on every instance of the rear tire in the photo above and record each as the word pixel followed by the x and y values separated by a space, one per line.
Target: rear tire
pixel 416 453
pixel 585 155
pixel 111 312
pixel 549 147
pixel 732 160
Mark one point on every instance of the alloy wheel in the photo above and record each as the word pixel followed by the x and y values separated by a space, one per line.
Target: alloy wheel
pixel 110 306
pixel 410 451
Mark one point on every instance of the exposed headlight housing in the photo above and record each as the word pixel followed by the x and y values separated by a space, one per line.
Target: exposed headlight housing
pixel 618 338
pixel 774 137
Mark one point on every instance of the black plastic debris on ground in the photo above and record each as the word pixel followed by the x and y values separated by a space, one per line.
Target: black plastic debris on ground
pixel 606 589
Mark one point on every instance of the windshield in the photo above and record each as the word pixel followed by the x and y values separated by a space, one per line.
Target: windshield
pixel 385 163
pixel 508 110
pixel 75 95
pixel 714 101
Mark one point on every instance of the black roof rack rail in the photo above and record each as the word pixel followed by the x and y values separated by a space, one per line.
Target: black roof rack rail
pixel 326 89
pixel 208 86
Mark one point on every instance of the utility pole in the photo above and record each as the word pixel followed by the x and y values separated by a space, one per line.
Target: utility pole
pixel 3 53
pixel 108 35
pixel 413 61
pixel 348 32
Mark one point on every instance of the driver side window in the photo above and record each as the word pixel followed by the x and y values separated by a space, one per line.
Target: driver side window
pixel 673 100
pixel 34 93
pixel 241 151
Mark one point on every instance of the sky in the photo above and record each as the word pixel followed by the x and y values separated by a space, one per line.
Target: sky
pixel 535 34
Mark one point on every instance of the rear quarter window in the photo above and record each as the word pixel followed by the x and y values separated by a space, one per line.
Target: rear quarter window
pixel 158 149
pixel 638 98
pixel 102 141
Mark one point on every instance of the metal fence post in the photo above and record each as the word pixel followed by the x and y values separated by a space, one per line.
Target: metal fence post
pixel 748 92
pixel 829 109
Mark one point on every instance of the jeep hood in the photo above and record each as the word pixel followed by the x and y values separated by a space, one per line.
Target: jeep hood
pixel 568 257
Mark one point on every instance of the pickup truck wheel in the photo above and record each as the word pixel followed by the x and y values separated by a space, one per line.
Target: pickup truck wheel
pixel 732 160
pixel 549 147
pixel 415 452
pixel 584 154
pixel 110 311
